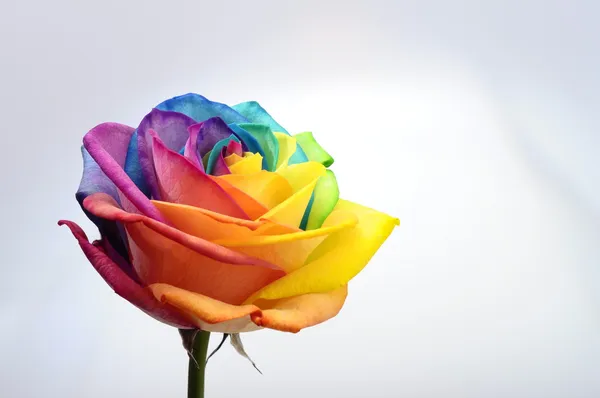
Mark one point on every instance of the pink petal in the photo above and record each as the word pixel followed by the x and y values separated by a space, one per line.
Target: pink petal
pixel 122 284
pixel 181 182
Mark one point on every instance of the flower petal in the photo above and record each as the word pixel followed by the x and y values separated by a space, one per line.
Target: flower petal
pixel 326 195
pixel 122 284
pixel 179 181
pixel 312 149
pixel 172 128
pixel 209 133
pixel 103 143
pixel 163 254
pixel 303 178
pixel 249 142
pixel 275 243
pixel 295 313
pixel 207 313
pixel 287 147
pixel 269 189
pixel 247 165
pixel 339 258
pixel 255 113
pixel 216 154
pixel 253 208
pixel 289 249
pixel 267 141
pixel 199 108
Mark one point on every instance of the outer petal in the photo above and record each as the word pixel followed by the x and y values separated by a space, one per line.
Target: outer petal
pixel 179 181
pixel 172 128
pixel 296 313
pixel 206 313
pixel 122 284
pixel 100 142
pixel 287 315
pixel 312 149
pixel 338 259
pixel 278 244
pixel 162 254
pixel 199 108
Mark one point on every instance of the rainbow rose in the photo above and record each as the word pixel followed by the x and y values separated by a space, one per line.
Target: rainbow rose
pixel 216 218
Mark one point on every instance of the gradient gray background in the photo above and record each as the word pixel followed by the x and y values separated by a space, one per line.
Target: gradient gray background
pixel 476 123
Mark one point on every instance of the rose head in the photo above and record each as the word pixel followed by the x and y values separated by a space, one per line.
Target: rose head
pixel 214 217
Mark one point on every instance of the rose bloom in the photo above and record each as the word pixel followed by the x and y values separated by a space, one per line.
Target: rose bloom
pixel 215 217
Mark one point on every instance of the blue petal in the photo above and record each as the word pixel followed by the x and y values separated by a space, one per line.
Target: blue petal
pixel 133 167
pixel 199 108
pixel 93 181
pixel 255 113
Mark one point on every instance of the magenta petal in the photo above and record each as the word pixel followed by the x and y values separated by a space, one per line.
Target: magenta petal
pixel 234 147
pixel 220 167
pixel 100 142
pixel 191 148
pixel 180 181
pixel 122 284
pixel 172 128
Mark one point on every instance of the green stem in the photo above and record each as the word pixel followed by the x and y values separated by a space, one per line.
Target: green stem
pixel 196 343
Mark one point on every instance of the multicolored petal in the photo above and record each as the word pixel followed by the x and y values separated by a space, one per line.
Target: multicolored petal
pixel 163 254
pixel 338 258
pixel 122 284
pixel 199 108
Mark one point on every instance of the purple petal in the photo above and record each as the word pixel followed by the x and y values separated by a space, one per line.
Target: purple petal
pixel 107 145
pixel 172 128
pixel 209 133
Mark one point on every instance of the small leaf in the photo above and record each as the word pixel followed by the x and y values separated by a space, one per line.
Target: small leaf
pixel 236 342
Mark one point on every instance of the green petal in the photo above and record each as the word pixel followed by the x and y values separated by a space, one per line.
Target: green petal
pixel 312 149
pixel 326 195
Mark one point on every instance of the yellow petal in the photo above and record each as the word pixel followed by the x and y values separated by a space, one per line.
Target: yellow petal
pixel 288 251
pixel 278 244
pixel 269 189
pixel 301 174
pixel 296 313
pixel 247 165
pixel 338 259
pixel 303 178
pixel 287 147
pixel 232 159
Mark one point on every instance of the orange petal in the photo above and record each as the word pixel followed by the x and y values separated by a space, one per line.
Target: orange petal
pixel 162 254
pixel 252 207
pixel 207 313
pixel 295 313
pixel 275 243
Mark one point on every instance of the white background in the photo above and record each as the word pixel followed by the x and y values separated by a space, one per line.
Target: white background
pixel 476 123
